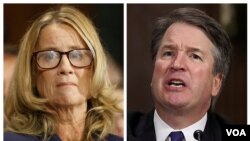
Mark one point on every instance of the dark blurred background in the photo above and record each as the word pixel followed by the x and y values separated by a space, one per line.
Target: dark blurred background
pixel 108 18
pixel 232 102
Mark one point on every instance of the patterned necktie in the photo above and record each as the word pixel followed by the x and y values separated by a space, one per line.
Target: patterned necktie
pixel 176 136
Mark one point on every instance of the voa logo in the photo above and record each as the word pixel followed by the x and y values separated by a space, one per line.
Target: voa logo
pixel 236 132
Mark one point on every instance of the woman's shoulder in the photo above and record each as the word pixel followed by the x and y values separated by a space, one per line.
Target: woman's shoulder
pixel 11 136
pixel 112 137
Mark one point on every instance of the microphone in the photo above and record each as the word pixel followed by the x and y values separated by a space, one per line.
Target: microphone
pixel 198 135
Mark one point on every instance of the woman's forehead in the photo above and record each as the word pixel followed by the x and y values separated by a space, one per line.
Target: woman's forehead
pixel 59 36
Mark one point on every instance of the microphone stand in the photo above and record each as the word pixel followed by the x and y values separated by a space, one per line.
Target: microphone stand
pixel 198 134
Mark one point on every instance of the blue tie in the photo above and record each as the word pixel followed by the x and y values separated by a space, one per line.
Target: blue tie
pixel 176 136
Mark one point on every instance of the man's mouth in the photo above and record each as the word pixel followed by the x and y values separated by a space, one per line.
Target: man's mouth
pixel 176 83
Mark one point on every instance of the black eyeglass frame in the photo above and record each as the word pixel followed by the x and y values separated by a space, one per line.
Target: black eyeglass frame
pixel 34 56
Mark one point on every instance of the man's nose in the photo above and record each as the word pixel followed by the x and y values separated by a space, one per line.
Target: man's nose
pixel 65 66
pixel 178 62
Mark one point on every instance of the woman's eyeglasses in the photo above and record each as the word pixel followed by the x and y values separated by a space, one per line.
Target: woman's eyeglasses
pixel 49 59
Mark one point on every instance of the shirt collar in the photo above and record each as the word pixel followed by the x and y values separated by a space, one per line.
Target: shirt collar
pixel 162 129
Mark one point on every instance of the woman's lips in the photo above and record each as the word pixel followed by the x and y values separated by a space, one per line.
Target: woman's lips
pixel 62 84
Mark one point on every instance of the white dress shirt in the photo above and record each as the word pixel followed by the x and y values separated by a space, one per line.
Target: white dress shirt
pixel 162 129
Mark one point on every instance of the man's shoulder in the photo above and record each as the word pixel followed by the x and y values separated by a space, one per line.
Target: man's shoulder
pixel 216 118
pixel 140 124
pixel 214 125
pixel 11 136
pixel 134 117
pixel 139 119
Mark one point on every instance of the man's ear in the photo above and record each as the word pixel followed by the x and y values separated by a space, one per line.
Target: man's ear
pixel 217 82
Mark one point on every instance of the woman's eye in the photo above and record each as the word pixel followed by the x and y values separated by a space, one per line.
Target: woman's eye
pixel 46 56
pixel 76 55
pixel 49 56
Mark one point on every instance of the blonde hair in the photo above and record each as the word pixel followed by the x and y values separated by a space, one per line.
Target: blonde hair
pixel 27 113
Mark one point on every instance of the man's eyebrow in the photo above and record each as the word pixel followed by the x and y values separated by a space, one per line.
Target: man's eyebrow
pixel 168 46
pixel 188 48
pixel 194 49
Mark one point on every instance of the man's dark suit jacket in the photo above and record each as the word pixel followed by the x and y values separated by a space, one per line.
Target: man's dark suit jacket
pixel 10 136
pixel 140 127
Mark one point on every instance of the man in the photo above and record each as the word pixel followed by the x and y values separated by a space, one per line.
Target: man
pixel 192 56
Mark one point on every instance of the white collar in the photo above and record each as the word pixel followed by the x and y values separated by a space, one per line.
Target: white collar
pixel 162 129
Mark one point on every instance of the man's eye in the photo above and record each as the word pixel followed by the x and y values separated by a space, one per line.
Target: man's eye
pixel 196 57
pixel 168 53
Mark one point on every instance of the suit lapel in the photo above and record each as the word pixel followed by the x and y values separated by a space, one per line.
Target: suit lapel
pixel 145 130
pixel 212 130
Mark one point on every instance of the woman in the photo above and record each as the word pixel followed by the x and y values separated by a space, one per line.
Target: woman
pixel 60 89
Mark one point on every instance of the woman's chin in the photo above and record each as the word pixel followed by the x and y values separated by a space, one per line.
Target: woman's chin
pixel 66 99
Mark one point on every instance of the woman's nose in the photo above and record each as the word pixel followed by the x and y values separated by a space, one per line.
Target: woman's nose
pixel 65 66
